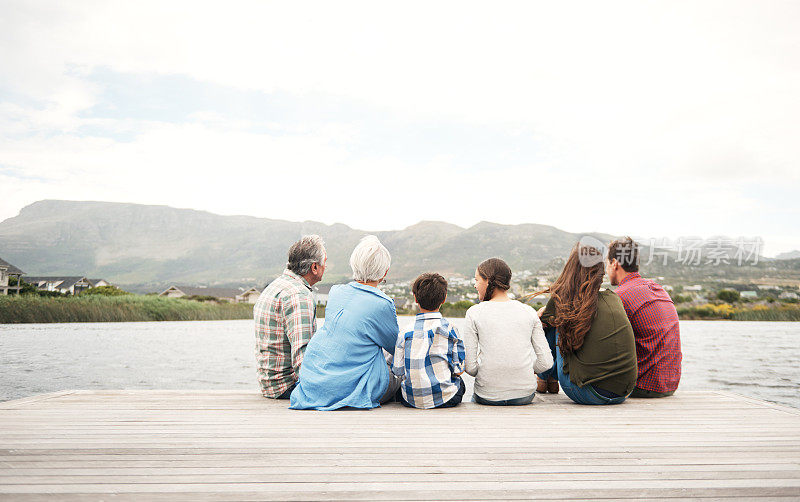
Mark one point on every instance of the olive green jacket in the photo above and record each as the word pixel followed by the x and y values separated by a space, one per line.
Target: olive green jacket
pixel 607 358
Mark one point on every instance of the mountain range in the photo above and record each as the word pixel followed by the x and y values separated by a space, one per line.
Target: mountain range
pixel 145 248
pixel 151 246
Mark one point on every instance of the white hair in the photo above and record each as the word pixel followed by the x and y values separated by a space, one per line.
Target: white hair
pixel 370 260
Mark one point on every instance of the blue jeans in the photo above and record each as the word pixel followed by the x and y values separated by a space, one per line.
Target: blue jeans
pixel 550 335
pixel 581 395
pixel 520 401
pixel 452 403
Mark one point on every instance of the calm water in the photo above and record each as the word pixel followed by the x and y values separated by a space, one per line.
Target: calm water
pixel 758 359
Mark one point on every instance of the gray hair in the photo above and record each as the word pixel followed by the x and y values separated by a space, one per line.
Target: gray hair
pixel 308 250
pixel 370 260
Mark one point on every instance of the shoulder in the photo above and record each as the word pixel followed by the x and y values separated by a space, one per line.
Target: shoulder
pixel 474 311
pixel 609 303
pixel 609 297
pixel 634 284
pixel 524 307
pixel 290 286
pixel 408 328
pixel 366 294
pixel 338 289
pixel 446 326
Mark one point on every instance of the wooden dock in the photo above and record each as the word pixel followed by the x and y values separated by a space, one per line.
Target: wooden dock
pixel 234 445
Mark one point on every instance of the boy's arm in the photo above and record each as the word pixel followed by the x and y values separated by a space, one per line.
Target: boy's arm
pixel 457 355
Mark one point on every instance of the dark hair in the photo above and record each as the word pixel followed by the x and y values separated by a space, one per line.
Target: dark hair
pixel 626 252
pixel 430 290
pixel 575 294
pixel 498 273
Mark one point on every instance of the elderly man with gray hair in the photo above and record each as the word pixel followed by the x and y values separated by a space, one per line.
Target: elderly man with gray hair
pixel 285 318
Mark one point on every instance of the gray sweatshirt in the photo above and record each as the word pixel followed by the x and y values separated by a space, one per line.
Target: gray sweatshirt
pixel 505 348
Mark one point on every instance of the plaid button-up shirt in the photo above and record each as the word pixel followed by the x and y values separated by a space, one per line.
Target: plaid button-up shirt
pixel 429 355
pixel 285 321
pixel 656 330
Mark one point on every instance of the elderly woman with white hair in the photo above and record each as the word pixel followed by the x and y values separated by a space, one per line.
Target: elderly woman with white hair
pixel 344 363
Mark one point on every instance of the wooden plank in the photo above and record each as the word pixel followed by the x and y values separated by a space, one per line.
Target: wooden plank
pixel 682 495
pixel 410 476
pixel 169 468
pixel 28 401
pixel 790 485
pixel 168 445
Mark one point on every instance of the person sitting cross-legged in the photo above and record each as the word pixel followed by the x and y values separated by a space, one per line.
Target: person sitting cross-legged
pixel 429 355
pixel 589 333
pixel 285 318
pixel 504 341
pixel 344 364
pixel 654 319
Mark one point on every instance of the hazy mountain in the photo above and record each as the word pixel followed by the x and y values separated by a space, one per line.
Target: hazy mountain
pixel 145 248
pixel 791 255
pixel 150 246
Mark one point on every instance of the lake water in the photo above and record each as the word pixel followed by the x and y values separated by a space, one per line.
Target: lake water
pixel 757 359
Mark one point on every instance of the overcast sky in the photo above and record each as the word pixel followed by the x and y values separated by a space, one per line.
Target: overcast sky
pixel 657 119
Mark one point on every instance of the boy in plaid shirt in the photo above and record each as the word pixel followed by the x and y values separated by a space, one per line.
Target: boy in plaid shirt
pixel 429 354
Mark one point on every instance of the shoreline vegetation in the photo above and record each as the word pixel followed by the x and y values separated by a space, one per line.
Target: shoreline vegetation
pixel 28 308
pixel 124 308
pixel 725 311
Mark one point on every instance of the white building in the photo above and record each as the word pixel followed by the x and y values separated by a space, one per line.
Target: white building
pixel 69 285
pixel 232 295
pixel 7 271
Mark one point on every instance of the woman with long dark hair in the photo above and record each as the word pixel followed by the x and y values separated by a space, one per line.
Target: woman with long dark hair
pixel 589 333
pixel 503 340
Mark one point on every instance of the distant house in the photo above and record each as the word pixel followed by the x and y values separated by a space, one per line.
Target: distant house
pixel 233 295
pixel 694 288
pixel 7 271
pixel 71 285
pixel 248 295
pixel 748 294
pixel 321 294
pixel 225 294
pixel 788 295
pixel 404 303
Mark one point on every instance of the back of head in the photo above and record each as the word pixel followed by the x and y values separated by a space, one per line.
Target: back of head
pixel 575 294
pixel 370 260
pixel 430 290
pixel 308 250
pixel 498 275
pixel 626 252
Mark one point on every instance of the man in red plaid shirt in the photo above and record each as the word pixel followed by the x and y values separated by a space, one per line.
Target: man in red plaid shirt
pixel 654 320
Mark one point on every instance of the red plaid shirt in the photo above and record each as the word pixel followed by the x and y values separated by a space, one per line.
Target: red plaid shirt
pixel 657 332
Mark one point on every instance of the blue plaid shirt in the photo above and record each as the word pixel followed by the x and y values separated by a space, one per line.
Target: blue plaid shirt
pixel 429 355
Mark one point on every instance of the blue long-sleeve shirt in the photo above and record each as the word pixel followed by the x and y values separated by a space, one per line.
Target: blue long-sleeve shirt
pixel 343 363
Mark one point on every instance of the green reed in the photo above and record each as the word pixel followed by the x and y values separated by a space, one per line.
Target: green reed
pixel 36 309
